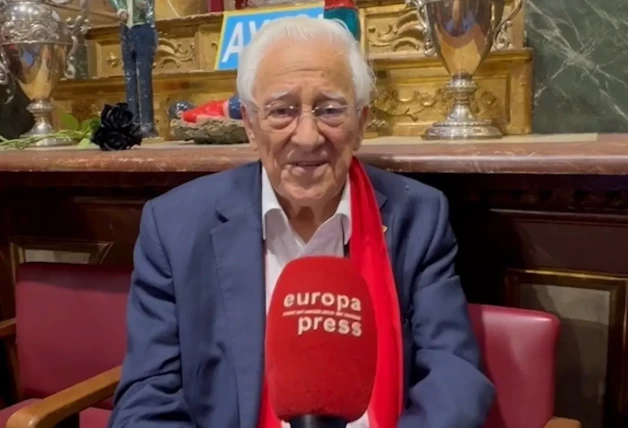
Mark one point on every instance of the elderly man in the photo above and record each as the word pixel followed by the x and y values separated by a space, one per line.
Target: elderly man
pixel 209 253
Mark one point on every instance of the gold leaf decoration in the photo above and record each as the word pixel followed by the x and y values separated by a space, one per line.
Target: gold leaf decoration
pixel 173 51
pixel 169 51
pixel 395 105
pixel 390 104
pixel 407 31
pixel 113 60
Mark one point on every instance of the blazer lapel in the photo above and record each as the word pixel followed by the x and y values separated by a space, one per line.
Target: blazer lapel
pixel 387 219
pixel 237 244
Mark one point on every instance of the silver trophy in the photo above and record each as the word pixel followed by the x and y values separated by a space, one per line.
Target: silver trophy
pixel 462 33
pixel 37 49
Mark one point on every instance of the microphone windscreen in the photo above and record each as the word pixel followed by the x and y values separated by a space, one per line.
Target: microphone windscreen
pixel 321 341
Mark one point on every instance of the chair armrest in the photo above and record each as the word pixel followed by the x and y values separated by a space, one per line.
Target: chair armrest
pixel 557 423
pixel 53 409
pixel 7 328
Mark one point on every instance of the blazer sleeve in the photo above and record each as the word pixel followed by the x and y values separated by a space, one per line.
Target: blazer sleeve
pixel 451 391
pixel 149 393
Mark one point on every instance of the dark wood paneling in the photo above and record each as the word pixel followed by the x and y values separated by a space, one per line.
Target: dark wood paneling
pixel 559 223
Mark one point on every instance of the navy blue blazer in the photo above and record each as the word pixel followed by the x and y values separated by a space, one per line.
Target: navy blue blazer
pixel 196 309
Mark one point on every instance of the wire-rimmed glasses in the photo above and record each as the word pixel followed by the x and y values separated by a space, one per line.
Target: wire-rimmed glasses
pixel 285 117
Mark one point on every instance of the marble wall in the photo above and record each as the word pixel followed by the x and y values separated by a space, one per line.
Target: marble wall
pixel 580 64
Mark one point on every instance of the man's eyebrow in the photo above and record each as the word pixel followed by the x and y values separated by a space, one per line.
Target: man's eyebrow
pixel 328 95
pixel 336 96
pixel 277 96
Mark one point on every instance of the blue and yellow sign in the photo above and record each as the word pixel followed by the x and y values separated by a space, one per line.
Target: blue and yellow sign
pixel 239 26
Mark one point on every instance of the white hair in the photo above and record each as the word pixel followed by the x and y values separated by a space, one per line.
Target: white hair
pixel 304 29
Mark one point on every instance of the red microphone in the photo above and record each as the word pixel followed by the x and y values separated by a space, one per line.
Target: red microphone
pixel 321 344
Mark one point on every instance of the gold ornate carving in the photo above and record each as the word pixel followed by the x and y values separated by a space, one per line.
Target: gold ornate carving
pixel 187 44
pixel 410 95
pixel 390 104
pixel 410 106
pixel 378 122
pixel 100 12
pixel 410 78
pixel 405 31
pixel 86 110
pixel 399 29
pixel 172 51
pixel 169 51
pixel 167 9
pixel 503 38
pixel 112 60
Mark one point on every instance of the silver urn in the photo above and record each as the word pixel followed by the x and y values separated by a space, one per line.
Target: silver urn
pixel 462 33
pixel 36 50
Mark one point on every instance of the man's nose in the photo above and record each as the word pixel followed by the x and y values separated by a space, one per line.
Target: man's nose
pixel 307 132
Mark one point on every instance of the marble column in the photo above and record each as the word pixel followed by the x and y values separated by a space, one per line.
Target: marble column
pixel 580 65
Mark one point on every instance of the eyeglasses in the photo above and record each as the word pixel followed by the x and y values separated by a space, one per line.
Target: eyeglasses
pixel 281 117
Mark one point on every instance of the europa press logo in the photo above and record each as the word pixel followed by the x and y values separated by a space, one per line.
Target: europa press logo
pixel 324 311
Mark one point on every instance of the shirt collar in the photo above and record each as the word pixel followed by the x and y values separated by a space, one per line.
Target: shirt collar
pixel 271 203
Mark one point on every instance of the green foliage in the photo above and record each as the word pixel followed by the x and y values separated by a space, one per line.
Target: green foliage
pixel 85 142
pixel 92 124
pixel 69 122
pixel 71 129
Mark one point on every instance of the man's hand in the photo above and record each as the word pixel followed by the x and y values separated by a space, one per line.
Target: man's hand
pixel 123 16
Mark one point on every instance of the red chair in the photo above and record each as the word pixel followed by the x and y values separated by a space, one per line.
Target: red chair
pixel 69 326
pixel 517 345
pixel 518 349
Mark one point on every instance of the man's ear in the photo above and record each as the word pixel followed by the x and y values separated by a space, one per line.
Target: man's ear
pixel 363 121
pixel 247 119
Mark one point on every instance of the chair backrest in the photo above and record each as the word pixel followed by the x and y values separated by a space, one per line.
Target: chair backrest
pixel 71 324
pixel 518 351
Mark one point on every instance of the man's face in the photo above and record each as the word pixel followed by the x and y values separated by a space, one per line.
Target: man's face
pixel 306 125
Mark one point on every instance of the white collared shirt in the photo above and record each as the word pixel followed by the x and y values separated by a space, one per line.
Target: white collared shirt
pixel 284 245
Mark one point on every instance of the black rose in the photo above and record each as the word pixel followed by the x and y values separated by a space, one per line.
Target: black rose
pixel 110 139
pixel 117 130
pixel 118 116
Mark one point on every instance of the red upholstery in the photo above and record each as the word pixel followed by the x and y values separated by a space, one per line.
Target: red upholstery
pixel 70 324
pixel 518 348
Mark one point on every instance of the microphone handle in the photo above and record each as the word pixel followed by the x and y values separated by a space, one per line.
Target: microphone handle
pixel 317 421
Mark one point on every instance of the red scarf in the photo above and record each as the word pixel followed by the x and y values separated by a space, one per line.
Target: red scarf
pixel 367 249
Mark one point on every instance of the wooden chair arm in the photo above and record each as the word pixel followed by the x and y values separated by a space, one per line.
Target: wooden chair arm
pixel 64 404
pixel 562 423
pixel 7 328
